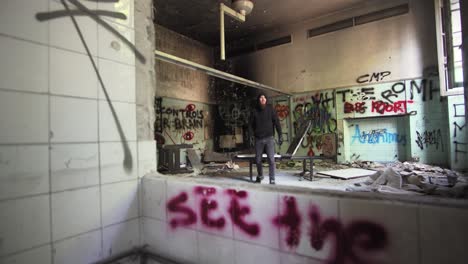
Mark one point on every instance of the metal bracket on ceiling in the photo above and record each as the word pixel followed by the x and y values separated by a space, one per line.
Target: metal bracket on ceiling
pixel 223 9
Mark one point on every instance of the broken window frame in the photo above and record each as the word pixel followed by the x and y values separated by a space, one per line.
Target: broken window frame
pixel 450 61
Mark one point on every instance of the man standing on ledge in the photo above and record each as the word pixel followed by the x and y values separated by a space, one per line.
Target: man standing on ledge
pixel 263 121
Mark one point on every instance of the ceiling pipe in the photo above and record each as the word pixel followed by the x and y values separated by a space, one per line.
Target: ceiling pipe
pixel 242 8
pixel 213 72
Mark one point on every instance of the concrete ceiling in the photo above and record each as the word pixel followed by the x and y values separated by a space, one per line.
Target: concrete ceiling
pixel 199 19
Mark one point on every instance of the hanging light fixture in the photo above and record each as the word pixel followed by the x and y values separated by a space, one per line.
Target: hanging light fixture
pixel 243 6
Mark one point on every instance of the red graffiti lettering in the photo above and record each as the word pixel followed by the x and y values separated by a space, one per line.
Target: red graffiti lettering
pixel 396 107
pixel 291 220
pixel 237 213
pixel 208 205
pixel 175 206
pixel 358 107
pixel 347 240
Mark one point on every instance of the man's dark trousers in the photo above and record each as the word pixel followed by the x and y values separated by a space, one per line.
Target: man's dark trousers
pixel 266 145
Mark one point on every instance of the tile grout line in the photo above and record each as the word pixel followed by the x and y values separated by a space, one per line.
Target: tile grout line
pixel 14 91
pixel 63 191
pixel 98 87
pixel 60 143
pixel 49 144
pixel 49 45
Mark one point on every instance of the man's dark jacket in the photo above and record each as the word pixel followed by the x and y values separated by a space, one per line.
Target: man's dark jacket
pixel 264 120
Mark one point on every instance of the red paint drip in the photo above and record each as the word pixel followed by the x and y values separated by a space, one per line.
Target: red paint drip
pixel 363 235
pixel 292 220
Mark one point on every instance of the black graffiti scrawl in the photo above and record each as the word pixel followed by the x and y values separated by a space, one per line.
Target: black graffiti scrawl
pixel 430 138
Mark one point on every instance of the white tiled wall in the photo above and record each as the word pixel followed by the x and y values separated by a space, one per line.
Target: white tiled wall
pixel 24 118
pixel 120 87
pixel 118 162
pixel 121 237
pixel 80 207
pixel 71 40
pixel 74 166
pixel 17 18
pixel 85 248
pixel 25 223
pixel 68 176
pixel 36 255
pixel 73 120
pixel 72 74
pixel 124 6
pixel 110 127
pixel 119 202
pixel 31 58
pixel 24 170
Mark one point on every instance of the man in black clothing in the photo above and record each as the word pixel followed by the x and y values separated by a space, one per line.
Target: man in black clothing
pixel 263 122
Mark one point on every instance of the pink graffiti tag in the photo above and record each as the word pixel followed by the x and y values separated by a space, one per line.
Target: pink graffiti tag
pixel 291 219
pixel 208 205
pixel 360 234
pixel 237 213
pixel 174 206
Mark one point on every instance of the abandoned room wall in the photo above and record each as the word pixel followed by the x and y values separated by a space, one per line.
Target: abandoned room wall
pixel 366 71
pixel 403 45
pixel 184 122
pixel 379 122
pixel 69 151
pixel 191 222
pixel 174 81
pixel 458 141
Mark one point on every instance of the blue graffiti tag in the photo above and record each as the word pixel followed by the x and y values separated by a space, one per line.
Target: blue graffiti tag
pixel 377 136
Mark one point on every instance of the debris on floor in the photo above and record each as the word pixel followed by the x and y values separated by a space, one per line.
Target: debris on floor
pixel 413 178
pixel 216 168
pixel 211 156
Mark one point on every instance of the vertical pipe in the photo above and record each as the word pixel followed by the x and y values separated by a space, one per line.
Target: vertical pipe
pixel 221 24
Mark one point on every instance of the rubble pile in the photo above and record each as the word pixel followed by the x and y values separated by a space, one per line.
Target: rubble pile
pixel 412 178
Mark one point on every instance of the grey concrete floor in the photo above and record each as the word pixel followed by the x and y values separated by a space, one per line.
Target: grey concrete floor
pixel 284 177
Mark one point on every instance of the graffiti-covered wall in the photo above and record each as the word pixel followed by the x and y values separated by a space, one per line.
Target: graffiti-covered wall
pixel 183 122
pixel 320 107
pixel 417 130
pixel 458 140
pixel 402 120
pixel 205 223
